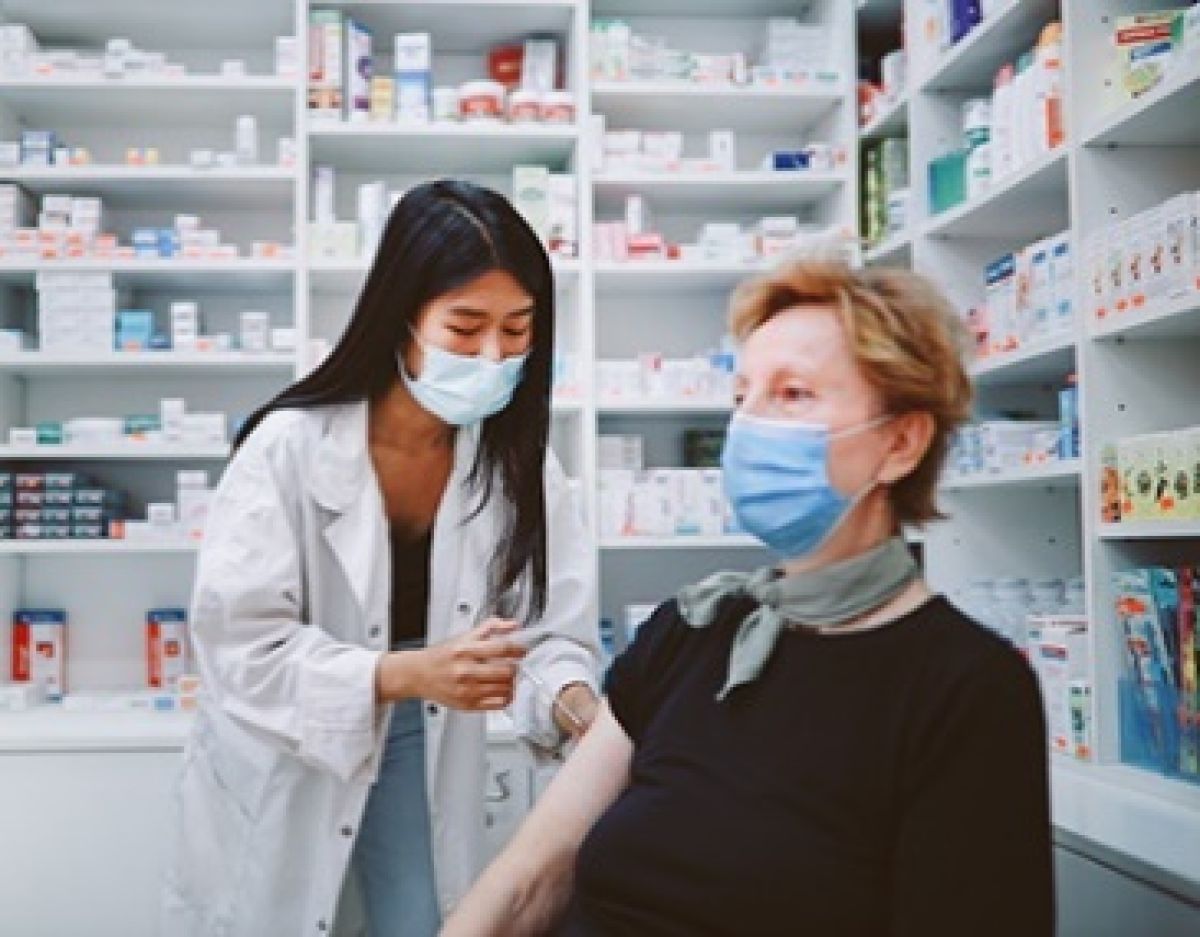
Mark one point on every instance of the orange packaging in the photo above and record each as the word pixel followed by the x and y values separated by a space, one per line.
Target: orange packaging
pixel 166 647
pixel 39 650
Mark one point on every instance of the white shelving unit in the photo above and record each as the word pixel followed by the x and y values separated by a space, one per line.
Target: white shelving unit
pixel 1136 372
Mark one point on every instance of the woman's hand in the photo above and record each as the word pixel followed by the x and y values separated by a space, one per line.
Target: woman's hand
pixel 474 672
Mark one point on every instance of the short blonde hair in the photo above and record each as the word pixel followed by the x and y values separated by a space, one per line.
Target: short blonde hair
pixel 903 334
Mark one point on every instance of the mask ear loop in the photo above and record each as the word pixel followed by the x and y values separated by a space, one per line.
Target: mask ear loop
pixel 855 500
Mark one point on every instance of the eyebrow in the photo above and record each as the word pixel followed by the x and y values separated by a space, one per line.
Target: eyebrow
pixel 471 312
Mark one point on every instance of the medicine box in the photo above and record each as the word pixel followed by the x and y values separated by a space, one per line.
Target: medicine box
pixel 166 647
pixel 39 650
pixel 1058 656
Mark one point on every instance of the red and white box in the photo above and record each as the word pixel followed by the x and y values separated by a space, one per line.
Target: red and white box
pixel 166 647
pixel 39 650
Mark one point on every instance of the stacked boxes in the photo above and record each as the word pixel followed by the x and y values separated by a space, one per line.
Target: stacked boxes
pixel 76 311
pixel 1058 653
pixel 1029 298
pixel 56 506
pixel 663 503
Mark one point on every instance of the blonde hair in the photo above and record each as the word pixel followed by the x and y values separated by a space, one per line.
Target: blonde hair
pixel 905 338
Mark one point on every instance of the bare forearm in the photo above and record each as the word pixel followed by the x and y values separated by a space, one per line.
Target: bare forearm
pixel 509 901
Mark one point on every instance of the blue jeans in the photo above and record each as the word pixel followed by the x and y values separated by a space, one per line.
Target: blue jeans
pixel 393 855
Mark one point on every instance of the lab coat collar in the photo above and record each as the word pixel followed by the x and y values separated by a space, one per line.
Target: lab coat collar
pixel 343 482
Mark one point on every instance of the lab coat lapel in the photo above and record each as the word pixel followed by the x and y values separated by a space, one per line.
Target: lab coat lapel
pixel 343 483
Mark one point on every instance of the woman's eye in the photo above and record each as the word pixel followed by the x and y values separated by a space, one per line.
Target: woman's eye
pixel 465 333
pixel 796 394
pixel 520 333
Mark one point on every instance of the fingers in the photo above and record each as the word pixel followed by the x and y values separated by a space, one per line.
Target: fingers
pixel 495 628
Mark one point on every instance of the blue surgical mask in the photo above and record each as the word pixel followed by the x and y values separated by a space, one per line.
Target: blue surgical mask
pixel 777 479
pixel 462 390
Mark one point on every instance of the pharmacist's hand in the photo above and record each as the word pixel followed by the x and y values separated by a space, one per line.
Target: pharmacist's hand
pixel 475 672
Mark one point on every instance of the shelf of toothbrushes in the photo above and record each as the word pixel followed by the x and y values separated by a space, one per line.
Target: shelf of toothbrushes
pixel 891 121
pixel 347 276
pixel 686 105
pixel 1065 473
pixel 444 147
pixel 1025 205
pixel 1172 318
pixel 246 187
pixel 186 101
pixel 972 63
pixel 1163 116
pixel 1049 361
pixel 125 452
pixel 146 362
pixel 98 547
pixel 204 275
pixel 736 192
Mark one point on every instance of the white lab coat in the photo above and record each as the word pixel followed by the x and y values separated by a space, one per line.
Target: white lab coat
pixel 290 614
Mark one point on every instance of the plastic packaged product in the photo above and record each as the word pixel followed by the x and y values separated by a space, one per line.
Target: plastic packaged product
pixel 539 64
pixel 557 107
pixel 358 64
pixel 1050 96
pixel 1068 417
pixel 1145 44
pixel 1001 287
pixel 524 107
pixel 481 100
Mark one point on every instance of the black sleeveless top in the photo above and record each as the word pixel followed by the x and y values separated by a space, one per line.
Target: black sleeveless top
pixel 410 586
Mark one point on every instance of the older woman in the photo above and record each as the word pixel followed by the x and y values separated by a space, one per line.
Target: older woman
pixel 823 747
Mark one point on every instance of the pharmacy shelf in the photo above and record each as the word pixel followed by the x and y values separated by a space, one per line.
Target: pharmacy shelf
pixel 1164 116
pixel 249 187
pixel 1133 813
pixel 38 363
pixel 447 148
pixel 205 26
pixel 893 251
pixel 459 26
pixel 129 452
pixel 726 192
pixel 669 276
pixel 338 277
pixel 971 64
pixel 1151 530
pixel 51 729
pixel 187 101
pixel 98 548
pixel 568 407
pixel 684 105
pixel 1026 205
pixel 1054 475
pixel 726 542
pixel 891 121
pixel 1042 363
pixel 1178 318
pixel 665 408
pixel 243 273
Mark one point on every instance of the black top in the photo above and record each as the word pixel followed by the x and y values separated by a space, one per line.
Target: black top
pixel 886 782
pixel 410 586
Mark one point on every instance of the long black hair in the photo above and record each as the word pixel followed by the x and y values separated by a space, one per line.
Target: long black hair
pixel 440 236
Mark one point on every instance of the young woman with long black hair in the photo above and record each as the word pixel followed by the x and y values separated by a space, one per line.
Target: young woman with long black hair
pixel 391 553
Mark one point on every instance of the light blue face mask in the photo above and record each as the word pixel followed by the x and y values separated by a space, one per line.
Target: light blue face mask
pixel 462 390
pixel 776 476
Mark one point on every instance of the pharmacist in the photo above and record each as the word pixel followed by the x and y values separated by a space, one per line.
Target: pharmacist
pixel 386 560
